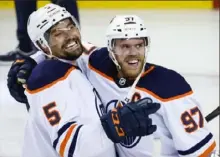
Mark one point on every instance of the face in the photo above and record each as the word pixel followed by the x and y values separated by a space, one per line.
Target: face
pixel 130 56
pixel 65 40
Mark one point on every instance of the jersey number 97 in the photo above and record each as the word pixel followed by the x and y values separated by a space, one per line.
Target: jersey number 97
pixel 188 120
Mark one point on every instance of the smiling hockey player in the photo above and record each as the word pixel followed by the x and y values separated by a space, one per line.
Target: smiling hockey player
pixel 63 118
pixel 120 73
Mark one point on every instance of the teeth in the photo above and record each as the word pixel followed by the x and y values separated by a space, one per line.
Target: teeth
pixel 71 44
pixel 133 61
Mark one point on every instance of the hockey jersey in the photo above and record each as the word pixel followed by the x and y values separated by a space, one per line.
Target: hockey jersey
pixel 182 128
pixel 63 120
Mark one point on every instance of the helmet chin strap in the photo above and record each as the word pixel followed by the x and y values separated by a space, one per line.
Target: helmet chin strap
pixel 112 56
pixel 50 55
pixel 127 99
pixel 132 90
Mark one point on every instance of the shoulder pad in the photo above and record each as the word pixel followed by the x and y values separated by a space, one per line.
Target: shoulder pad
pixel 100 55
pixel 100 62
pixel 164 84
pixel 46 73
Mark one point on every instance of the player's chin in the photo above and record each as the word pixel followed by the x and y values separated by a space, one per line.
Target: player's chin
pixel 132 72
pixel 73 55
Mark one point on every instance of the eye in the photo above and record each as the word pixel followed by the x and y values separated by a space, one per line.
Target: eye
pixel 124 46
pixel 139 45
pixel 57 34
pixel 71 27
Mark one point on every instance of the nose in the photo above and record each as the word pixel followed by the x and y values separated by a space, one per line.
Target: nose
pixel 74 33
pixel 70 34
pixel 133 51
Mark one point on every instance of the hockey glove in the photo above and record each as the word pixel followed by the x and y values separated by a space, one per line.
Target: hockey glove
pixel 17 76
pixel 131 119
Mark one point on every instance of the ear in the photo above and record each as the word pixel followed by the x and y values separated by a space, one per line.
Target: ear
pixel 43 47
pixel 46 50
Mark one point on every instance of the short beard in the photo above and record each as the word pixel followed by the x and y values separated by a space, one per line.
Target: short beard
pixel 71 57
pixel 74 55
pixel 131 75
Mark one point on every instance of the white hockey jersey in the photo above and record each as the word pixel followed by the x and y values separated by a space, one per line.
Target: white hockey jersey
pixel 63 118
pixel 182 128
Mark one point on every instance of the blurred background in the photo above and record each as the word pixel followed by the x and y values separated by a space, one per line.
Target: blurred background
pixel 184 37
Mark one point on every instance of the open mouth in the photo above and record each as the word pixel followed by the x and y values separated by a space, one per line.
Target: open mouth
pixel 72 45
pixel 133 63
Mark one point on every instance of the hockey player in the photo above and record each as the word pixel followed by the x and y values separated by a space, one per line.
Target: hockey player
pixel 63 118
pixel 23 9
pixel 120 72
pixel 122 68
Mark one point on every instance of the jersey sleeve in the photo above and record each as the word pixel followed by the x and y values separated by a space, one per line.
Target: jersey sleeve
pixel 83 60
pixel 188 129
pixel 70 122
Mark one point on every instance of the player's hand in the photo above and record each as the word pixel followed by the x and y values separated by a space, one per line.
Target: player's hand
pixel 18 74
pixel 131 119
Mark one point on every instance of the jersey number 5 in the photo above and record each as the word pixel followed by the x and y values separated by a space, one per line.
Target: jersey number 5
pixel 188 120
pixel 52 114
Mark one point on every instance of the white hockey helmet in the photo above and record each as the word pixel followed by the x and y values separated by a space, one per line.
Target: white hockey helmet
pixel 125 27
pixel 42 20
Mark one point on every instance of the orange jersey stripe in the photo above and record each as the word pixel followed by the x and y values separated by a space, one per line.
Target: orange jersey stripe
pixel 208 151
pixel 147 71
pixel 100 73
pixel 66 139
pixel 52 83
pixel 19 61
pixel 110 78
pixel 162 99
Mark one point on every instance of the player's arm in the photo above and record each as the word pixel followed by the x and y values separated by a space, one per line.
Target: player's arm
pixel 23 66
pixel 188 128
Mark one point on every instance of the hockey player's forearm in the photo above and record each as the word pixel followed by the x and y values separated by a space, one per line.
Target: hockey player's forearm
pixel 88 140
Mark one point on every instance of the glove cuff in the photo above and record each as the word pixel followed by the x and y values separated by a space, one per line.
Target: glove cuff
pixel 109 128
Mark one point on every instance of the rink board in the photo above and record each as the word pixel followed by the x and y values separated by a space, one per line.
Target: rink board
pixel 85 4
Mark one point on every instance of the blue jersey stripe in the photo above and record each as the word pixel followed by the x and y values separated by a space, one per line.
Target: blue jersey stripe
pixel 73 143
pixel 61 131
pixel 197 146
